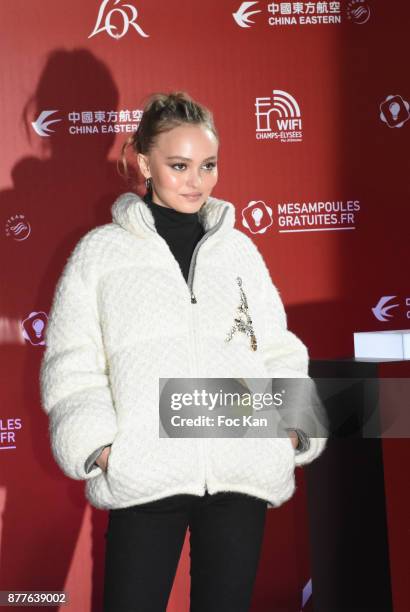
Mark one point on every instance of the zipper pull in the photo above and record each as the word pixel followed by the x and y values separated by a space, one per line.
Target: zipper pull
pixel 193 298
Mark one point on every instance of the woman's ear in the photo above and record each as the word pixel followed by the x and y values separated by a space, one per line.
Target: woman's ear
pixel 142 161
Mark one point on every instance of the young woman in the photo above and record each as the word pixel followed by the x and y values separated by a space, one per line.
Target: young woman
pixel 170 289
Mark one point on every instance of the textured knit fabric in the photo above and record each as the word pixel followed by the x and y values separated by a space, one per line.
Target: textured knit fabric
pixel 181 231
pixel 123 316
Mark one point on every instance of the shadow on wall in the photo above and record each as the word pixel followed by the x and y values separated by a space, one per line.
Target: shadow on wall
pixel 64 192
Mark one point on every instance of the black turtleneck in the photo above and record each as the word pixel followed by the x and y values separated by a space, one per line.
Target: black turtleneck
pixel 182 231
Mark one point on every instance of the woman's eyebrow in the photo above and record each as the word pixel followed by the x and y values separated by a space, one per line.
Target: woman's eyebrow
pixel 188 158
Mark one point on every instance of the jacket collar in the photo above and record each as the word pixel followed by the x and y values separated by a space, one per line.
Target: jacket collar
pixel 132 213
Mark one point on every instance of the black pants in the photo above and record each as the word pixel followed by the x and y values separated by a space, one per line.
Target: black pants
pixel 144 543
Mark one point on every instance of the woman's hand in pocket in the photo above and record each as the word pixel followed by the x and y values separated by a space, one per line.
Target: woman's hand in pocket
pixel 294 438
pixel 102 459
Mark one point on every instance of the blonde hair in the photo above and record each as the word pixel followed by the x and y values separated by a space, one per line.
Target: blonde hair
pixel 162 112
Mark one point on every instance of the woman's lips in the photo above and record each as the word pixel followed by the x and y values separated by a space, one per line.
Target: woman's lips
pixel 194 196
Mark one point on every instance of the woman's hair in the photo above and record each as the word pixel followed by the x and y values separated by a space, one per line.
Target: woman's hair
pixel 163 112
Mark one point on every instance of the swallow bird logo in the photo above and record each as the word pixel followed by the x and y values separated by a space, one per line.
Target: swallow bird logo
pixel 242 15
pixel 41 126
pixel 380 311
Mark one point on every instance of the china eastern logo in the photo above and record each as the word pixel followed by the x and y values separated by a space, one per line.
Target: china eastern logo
pixel 42 124
pixel 381 310
pixel 89 122
pixel 243 14
pixel 278 117
pixel 384 305
pixel 125 13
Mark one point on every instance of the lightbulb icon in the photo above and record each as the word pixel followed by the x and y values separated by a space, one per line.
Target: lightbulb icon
pixel 33 327
pixel 257 215
pixel 394 108
pixel 38 326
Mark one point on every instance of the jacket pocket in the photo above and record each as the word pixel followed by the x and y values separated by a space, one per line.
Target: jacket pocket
pixel 267 464
pixel 282 450
pixel 288 443
pixel 110 469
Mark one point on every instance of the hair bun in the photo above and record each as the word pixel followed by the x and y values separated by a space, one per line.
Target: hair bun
pixel 173 100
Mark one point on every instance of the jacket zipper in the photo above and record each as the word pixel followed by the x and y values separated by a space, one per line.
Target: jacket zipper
pixel 203 441
pixel 192 264
pixel 195 254
pixel 190 285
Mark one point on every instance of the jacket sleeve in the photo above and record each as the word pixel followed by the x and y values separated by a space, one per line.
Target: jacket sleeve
pixel 285 356
pixel 74 384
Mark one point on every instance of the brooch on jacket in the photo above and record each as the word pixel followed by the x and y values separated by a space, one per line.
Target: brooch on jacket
pixel 243 322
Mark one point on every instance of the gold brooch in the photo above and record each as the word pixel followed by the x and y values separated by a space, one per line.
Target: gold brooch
pixel 243 322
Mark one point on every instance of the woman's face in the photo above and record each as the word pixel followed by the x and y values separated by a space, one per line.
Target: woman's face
pixel 183 162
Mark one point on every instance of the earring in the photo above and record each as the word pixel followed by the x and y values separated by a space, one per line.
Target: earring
pixel 148 183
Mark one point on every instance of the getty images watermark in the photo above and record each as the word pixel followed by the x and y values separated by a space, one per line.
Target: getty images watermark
pixel 239 408
pixel 267 408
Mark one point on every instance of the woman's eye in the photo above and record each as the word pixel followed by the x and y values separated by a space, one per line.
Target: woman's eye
pixel 209 166
pixel 212 164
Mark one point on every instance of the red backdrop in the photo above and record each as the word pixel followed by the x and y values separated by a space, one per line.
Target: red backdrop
pixel 311 100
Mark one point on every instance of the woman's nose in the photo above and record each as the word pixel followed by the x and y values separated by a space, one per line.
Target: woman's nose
pixel 194 179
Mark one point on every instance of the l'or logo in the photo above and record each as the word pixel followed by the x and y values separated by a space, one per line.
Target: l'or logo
pixel 128 17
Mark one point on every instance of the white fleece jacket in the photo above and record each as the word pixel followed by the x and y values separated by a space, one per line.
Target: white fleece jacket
pixel 122 317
